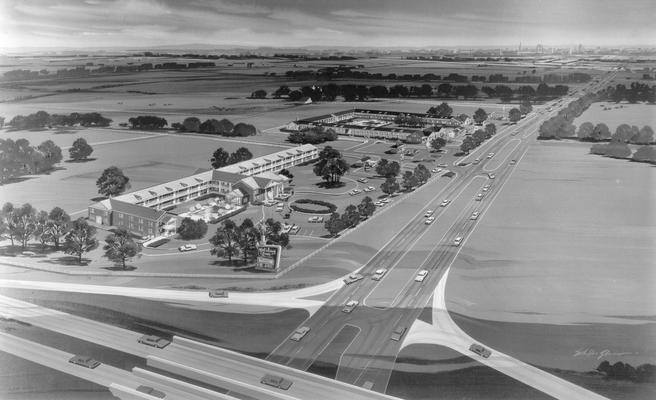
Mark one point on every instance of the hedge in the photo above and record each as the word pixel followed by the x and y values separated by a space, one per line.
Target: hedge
pixel 331 208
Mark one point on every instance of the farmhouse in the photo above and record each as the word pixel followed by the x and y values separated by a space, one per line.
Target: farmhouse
pixel 144 212
pixel 374 124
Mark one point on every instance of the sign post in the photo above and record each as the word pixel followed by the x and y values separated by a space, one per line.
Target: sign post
pixel 268 258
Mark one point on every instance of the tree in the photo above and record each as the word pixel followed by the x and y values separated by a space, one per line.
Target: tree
pixel 190 229
pixel 623 134
pixel 49 154
pixel 645 154
pixel 601 131
pixel 147 122
pixel 441 111
pixel 388 169
pixel 285 172
pixel 80 239
pixel 334 224
pixel 644 136
pixel 490 130
pixel 243 130
pixel 220 158
pixel 241 154
pixel 480 116
pixel 281 91
pixel 224 241
pixel 390 185
pixel 468 144
pixel 258 94
pixel 112 182
pixel 80 150
pixel 514 115
pixel 437 143
pixel 247 239
pixel 41 231
pixel 585 131
pixel 422 174
pixel 366 207
pixel 6 221
pixel 191 124
pixel 409 180
pixel 330 166
pixel 351 216
pixel 58 224
pixel 119 247
pixel 525 107
pixel 23 223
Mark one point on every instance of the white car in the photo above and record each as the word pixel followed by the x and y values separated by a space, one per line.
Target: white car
pixel 371 188
pixel 434 170
pixel 356 191
pixel 442 165
pixel 490 155
pixel 439 170
pixel 445 203
pixel 350 305
pixel 429 220
pixel 367 189
pixel 187 247
pixel 421 275
pixel 479 197
pixel 475 215
pixel 428 213
pixel 486 188
pixel 378 275
pixel 379 204
pixel 491 176
pixel 362 180
pixel 457 241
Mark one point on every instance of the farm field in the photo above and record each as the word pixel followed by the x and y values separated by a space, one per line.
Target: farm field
pixel 623 113
pixel 578 267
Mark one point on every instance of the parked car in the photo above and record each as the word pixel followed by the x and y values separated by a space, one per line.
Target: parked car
pixel 442 165
pixel 421 275
pixel 398 333
pixel 313 218
pixel 434 170
pixel 480 350
pixel 84 361
pixel 350 305
pixel 362 180
pixel 299 333
pixel 371 188
pixel 28 253
pixel 353 278
pixel 491 176
pixel 218 294
pixel 457 241
pixel 154 341
pixel 151 391
pixel 379 273
pixel 187 247
pixel 429 220
pixel 276 381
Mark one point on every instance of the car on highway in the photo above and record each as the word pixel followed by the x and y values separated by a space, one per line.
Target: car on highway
pixel 421 275
pixel 491 176
pixel 154 341
pixel 385 200
pixel 457 241
pixel 479 197
pixel 379 204
pixel 378 274
pixel 84 361
pixel 187 247
pixel 486 188
pixel 218 294
pixel 490 155
pixel 151 391
pixel 350 306
pixel 434 170
pixel 276 381
pixel 428 213
pixel 362 180
pixel 445 203
pixel 353 278
pixel 480 350
pixel 299 333
pixel 439 170
pixel 475 215
pixel 429 220
pixel 442 165
pixel 513 162
pixel 398 333
pixel 476 161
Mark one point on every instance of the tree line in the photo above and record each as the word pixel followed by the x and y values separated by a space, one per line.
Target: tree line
pixel 474 140
pixel 75 237
pixel 352 92
pixel 41 119
pixel 215 127
pixel 561 124
pixel 636 92
pixel 231 240
pixel 313 135
pixel 18 158
pixel 221 158
pixel 352 72
pixel 645 373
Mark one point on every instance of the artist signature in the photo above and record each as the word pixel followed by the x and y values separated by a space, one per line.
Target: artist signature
pixel 599 354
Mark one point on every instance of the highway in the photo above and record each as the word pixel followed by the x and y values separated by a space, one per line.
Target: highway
pixel 398 300
pixel 210 364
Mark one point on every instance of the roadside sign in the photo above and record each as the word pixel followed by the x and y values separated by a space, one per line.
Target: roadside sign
pixel 268 258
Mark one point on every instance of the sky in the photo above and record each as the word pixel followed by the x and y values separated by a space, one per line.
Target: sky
pixel 307 23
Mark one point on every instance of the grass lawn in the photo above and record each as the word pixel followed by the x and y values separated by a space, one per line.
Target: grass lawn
pixel 622 113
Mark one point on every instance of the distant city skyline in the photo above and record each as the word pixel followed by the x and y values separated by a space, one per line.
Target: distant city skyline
pixel 292 23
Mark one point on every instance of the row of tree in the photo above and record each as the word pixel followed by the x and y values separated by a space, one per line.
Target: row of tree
pixel 231 240
pixel 624 133
pixel 561 124
pixel 148 122
pixel 474 140
pixel 212 126
pixel 41 119
pixel 352 92
pixel 18 158
pixel 221 158
pixel 645 373
pixel 622 150
pixel 636 92
pixel 313 135
pixel 351 216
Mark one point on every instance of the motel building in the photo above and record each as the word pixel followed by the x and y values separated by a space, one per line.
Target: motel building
pixel 371 124
pixel 145 212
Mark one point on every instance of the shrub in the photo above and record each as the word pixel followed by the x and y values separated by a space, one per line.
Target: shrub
pixel 330 207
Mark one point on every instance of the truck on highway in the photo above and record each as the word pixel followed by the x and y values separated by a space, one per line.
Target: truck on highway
pixel 353 278
pixel 84 361
pixel 398 333
pixel 154 341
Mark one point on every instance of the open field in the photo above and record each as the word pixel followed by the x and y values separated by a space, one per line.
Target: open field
pixel 623 113
pixel 545 262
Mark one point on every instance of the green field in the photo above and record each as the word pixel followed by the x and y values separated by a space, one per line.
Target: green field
pixel 623 113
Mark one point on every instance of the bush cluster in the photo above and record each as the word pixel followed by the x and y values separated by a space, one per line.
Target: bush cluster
pixel 330 207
